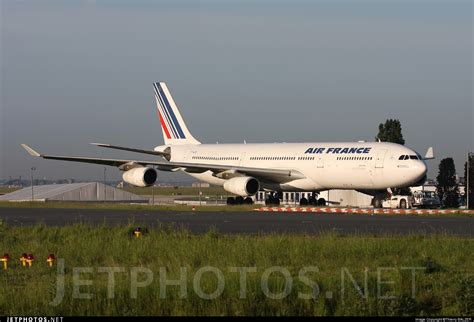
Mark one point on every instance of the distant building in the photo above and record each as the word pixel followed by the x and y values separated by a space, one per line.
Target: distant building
pixel 200 185
pixel 79 192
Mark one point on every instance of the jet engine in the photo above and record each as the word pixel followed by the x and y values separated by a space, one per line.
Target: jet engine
pixel 140 177
pixel 242 186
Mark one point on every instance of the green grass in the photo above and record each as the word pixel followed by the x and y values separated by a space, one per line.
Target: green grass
pixel 444 286
pixel 4 190
pixel 176 191
pixel 120 206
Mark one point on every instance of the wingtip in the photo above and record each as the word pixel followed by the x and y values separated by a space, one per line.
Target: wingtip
pixel 30 151
pixel 98 144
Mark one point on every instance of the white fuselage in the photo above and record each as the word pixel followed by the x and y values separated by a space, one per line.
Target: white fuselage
pixel 351 165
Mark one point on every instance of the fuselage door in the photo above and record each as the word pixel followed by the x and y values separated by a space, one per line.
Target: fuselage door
pixel 320 161
pixel 380 158
pixel 242 159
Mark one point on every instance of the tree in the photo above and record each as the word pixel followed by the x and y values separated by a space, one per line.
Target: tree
pixel 469 190
pixel 447 187
pixel 391 131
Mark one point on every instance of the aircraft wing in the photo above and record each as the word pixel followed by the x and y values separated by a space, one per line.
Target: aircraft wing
pixel 263 174
pixel 110 146
pixel 110 162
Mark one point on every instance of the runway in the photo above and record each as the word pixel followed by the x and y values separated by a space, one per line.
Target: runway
pixel 249 222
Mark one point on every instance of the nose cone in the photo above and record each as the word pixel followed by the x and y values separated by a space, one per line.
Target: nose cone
pixel 419 172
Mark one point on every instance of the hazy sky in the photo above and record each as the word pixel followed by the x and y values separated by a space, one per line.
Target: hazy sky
pixel 74 72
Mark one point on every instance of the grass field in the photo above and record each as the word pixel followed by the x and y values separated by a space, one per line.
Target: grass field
pixel 443 284
pixel 120 206
pixel 4 190
pixel 176 191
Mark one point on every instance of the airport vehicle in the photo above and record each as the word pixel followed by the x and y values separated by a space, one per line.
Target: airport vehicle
pixel 244 169
pixel 398 201
pixel 425 199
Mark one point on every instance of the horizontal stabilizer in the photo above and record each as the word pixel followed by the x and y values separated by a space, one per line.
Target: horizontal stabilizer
pixel 429 154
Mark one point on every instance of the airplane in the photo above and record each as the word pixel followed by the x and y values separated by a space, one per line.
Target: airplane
pixel 244 169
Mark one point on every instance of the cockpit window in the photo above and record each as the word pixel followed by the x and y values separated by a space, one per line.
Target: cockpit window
pixel 411 157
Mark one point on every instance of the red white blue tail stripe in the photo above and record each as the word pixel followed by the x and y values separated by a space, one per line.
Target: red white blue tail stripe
pixel 168 119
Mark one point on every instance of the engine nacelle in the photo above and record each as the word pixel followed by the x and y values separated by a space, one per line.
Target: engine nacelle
pixel 242 186
pixel 140 177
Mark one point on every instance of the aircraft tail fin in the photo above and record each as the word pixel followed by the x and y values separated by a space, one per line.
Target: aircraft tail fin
pixel 175 131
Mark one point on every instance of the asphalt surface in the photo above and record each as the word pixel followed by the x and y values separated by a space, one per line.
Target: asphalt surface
pixel 249 222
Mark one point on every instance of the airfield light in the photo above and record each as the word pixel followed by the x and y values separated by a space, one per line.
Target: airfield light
pixel 23 259
pixel 29 260
pixel 5 260
pixel 50 260
pixel 137 232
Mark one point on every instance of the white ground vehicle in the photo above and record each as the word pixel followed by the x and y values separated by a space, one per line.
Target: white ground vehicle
pixel 398 201
pixel 419 199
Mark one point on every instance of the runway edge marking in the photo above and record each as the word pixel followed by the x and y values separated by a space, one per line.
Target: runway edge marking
pixel 365 211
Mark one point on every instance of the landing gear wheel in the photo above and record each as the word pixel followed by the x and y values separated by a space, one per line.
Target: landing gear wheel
pixel 273 200
pixel 269 201
pixel 321 202
pixel 303 202
pixel 312 201
pixel 239 200
pixel 248 201
pixel 231 201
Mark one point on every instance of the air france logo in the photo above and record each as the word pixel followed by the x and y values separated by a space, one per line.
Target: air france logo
pixel 338 150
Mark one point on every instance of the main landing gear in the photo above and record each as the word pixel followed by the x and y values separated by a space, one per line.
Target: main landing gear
pixel 239 201
pixel 312 200
pixel 273 199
